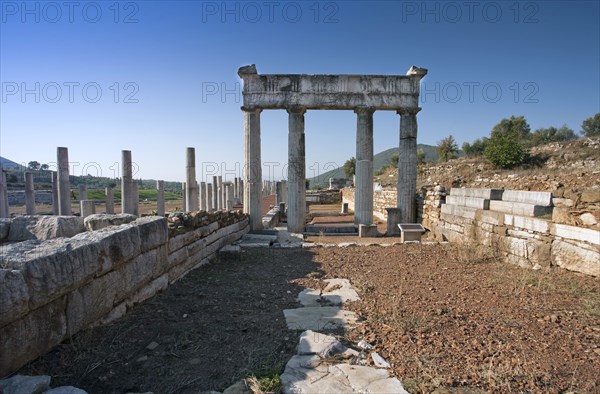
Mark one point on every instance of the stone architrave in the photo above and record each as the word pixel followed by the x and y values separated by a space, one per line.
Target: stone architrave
pixel 160 198
pixel 110 200
pixel 191 192
pixel 300 92
pixel 29 194
pixel 127 202
pixel 64 186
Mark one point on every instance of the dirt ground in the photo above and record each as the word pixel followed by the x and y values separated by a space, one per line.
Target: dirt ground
pixel 447 319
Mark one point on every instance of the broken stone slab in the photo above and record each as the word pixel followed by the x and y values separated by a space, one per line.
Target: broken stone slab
pixel 379 361
pixel 370 380
pixel 336 292
pixel 102 220
pixel 319 318
pixel 308 375
pixel 65 390
pixel 21 384
pixel 322 345
pixel 42 227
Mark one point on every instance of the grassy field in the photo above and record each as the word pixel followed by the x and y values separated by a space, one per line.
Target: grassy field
pixel 150 194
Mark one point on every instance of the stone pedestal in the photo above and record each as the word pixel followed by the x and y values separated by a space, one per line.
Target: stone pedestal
pixel 367 231
pixel 393 219
pixel 296 215
pixel 252 198
pixel 407 165
pixel 54 193
pixel 160 198
pixel 110 200
pixel 29 194
pixel 83 195
pixel 363 195
pixel 64 187
pixel 127 201
pixel 191 192
pixel 87 208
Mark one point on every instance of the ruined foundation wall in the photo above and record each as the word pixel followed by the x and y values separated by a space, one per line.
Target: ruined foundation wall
pixel 52 289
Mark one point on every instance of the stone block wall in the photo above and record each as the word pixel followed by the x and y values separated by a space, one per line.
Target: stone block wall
pixel 324 196
pixel 51 289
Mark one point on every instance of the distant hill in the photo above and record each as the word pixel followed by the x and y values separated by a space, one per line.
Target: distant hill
pixel 380 160
pixel 10 165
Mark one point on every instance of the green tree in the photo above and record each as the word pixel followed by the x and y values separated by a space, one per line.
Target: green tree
pixel 591 126
pixel 476 148
pixel 33 165
pixel 394 161
pixel 506 146
pixel 514 124
pixel 552 134
pixel 447 149
pixel 350 167
pixel 421 156
pixel 44 167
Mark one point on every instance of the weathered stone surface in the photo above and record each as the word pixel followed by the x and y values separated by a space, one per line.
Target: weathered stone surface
pixel 518 208
pixel 4 228
pixel 312 342
pixel 457 210
pixel 366 379
pixel 491 217
pixel 588 219
pixel 66 390
pixel 149 290
pixel 153 231
pixel 336 292
pixel 14 296
pixel 33 335
pixel 101 220
pixel 543 199
pixel 21 384
pixel 576 257
pixel 527 223
pixel 179 241
pixel 141 270
pixel 319 318
pixel 576 233
pixel 472 202
pixel 590 196
pixel 44 227
pixel 562 215
pixel 489 194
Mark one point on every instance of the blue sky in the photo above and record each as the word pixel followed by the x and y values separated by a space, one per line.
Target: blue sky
pixel 156 77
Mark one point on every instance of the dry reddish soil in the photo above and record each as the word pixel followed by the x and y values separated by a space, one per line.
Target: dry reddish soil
pixel 447 319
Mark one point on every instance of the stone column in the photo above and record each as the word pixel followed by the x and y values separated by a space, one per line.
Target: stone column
pixel 296 210
pixel 363 194
pixel 160 198
pixel 252 198
pixel 83 192
pixel 190 180
pixel 64 187
pixel 209 198
pixel 203 196
pixel 4 212
pixel 54 193
pixel 241 191
pixel 135 196
pixel 215 191
pixel 220 193
pixel 87 208
pixel 110 200
pixel 407 165
pixel 126 182
pixel 29 194
pixel 183 197
pixel 236 190
pixel 229 197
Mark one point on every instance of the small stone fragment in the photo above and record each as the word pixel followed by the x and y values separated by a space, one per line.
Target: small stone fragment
pixel 379 361
pixel 152 346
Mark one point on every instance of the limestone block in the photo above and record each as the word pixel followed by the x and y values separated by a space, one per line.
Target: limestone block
pixel 140 271
pixel 576 233
pixel 456 219
pixel 102 220
pixel 472 202
pixel 20 384
pixel 491 217
pixel 543 199
pixel 178 257
pixel 532 250
pixel 563 202
pixel 588 219
pixel 518 208
pixel 4 228
pixel 153 231
pixel 44 227
pixel 465 212
pixel 14 296
pixel 527 223
pixel 576 257
pixel 90 302
pixel 489 194
pixel 149 290
pixel 590 196
pixel 56 267
pixel 182 240
pixel 32 336
pixel 562 215
pixel 184 268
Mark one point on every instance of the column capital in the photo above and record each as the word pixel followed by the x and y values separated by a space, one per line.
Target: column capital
pixel 296 110
pixel 251 109
pixel 364 110
pixel 408 111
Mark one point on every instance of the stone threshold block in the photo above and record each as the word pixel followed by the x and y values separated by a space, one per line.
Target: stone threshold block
pixel 471 202
pixel 542 199
pixel 520 209
pixel 457 210
pixel 489 194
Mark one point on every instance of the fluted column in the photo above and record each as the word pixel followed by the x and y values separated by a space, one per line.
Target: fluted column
pixel 296 210
pixel 407 165
pixel 363 192
pixel 252 167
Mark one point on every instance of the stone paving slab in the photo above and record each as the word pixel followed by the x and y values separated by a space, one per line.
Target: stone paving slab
pixel 319 318
pixel 336 292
